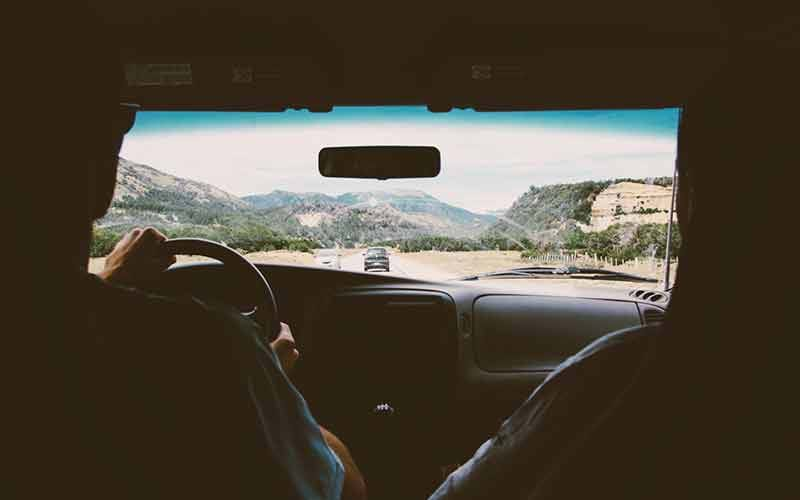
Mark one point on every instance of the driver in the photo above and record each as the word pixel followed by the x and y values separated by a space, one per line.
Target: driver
pixel 137 257
pixel 160 397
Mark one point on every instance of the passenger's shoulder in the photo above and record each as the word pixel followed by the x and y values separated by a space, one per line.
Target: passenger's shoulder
pixel 622 347
pixel 629 338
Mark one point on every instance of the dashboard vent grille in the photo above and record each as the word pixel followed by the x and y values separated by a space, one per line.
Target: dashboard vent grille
pixel 653 316
pixel 649 295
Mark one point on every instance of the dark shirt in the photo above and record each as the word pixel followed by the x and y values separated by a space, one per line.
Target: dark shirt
pixel 535 444
pixel 181 397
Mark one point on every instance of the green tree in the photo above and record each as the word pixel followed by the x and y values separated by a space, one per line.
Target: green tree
pixel 103 241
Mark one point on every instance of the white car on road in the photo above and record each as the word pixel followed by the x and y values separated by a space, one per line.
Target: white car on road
pixel 327 257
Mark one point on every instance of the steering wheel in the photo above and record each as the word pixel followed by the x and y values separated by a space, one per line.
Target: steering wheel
pixel 266 309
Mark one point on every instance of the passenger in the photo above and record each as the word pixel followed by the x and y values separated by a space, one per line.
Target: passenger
pixel 667 412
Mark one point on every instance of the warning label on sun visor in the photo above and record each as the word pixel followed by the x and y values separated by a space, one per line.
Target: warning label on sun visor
pixel 253 74
pixel 158 75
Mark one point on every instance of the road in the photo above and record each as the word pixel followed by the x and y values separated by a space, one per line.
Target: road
pixel 400 266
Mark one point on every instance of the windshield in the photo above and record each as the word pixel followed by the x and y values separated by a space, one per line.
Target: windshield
pixel 587 189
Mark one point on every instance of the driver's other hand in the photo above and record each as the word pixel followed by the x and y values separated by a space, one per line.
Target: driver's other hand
pixel 285 348
pixel 137 257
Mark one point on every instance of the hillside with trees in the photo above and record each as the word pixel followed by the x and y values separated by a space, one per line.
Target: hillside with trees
pixel 543 219
pixel 146 196
pixel 558 217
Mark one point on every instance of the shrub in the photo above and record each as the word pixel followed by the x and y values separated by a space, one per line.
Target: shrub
pixel 649 210
pixel 651 239
pixel 535 249
pixel 648 240
pixel 302 245
pixel 501 242
pixel 103 241
pixel 440 243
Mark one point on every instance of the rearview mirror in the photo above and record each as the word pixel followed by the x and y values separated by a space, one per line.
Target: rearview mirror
pixel 380 162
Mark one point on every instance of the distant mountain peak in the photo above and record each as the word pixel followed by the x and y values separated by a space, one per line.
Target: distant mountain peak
pixel 147 196
pixel 402 192
pixel 135 180
pixel 411 207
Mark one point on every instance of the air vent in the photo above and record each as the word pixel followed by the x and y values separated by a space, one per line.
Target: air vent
pixel 653 316
pixel 649 295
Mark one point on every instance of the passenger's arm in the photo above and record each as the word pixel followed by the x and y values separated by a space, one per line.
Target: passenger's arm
pixel 533 441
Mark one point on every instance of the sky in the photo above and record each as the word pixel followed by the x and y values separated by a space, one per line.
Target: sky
pixel 488 159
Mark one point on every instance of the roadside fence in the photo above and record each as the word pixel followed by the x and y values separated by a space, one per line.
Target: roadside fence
pixel 642 266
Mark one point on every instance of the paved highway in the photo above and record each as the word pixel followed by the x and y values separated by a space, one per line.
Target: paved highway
pixel 399 265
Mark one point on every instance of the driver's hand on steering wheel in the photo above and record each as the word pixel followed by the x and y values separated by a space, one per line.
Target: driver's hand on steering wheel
pixel 137 257
pixel 285 348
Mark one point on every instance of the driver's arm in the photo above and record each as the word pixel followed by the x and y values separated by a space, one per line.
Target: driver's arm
pixel 137 257
pixel 354 487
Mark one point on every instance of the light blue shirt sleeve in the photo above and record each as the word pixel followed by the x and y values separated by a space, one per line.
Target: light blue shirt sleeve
pixel 293 434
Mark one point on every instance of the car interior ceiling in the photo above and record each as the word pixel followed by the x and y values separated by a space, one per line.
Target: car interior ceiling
pixel 341 56
pixel 319 59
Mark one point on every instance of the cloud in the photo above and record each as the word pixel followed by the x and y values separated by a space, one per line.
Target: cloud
pixel 484 166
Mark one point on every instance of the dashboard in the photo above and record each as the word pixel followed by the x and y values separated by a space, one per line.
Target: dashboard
pixel 402 368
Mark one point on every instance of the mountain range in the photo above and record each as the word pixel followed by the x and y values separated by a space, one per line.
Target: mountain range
pixel 147 196
pixel 545 214
pixel 414 206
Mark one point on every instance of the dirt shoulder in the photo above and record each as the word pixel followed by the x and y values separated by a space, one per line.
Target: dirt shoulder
pixel 466 263
pixel 435 265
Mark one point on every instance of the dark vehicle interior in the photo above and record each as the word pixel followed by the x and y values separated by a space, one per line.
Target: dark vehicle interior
pixel 485 350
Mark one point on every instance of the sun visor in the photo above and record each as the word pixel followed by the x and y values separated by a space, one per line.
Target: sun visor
pixel 573 78
pixel 221 83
